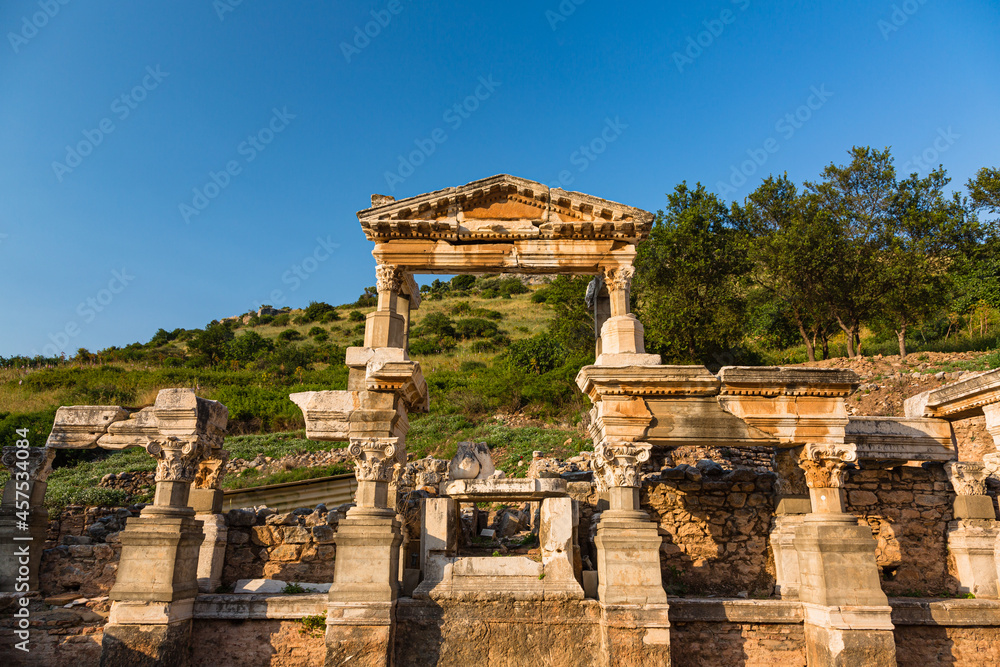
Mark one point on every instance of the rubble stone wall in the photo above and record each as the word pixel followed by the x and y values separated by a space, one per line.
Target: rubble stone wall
pixel 922 645
pixel 295 546
pixel 715 526
pixel 693 644
pixel 258 643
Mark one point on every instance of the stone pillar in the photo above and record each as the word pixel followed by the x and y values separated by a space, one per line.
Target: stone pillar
pixel 621 333
pixel 206 501
pixel 361 613
pixel 992 413
pixel 847 616
pixel 972 536
pixel 634 611
pixel 385 327
pixel 157 581
pixel 628 543
pixel 792 506
pixel 24 521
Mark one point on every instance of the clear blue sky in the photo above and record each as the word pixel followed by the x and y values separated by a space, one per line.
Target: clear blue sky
pixel 199 78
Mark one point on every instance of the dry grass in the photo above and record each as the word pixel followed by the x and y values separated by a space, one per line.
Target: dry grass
pixel 13 398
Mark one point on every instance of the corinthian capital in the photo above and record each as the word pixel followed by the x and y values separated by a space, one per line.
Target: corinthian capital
pixel 618 463
pixel 211 470
pixel 375 459
pixel 619 278
pixel 388 278
pixel 825 466
pixel 177 459
pixel 967 478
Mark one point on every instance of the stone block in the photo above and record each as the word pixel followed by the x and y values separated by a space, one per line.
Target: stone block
pixel 622 335
pixel 285 552
pixel 974 507
pixel 323 534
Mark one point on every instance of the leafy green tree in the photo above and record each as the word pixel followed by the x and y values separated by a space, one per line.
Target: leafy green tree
pixel 248 347
pixel 212 341
pixel 685 286
pixel 856 200
pixel 787 241
pixel 928 232
pixel 984 189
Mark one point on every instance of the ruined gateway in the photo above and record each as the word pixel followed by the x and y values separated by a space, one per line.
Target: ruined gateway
pixel 411 597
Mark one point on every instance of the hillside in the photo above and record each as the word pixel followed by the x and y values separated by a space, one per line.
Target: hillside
pixel 496 354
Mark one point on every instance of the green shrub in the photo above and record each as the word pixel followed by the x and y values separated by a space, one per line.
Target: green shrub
pixel 290 335
pixel 356 316
pixel 316 331
pixel 476 327
pixel 281 320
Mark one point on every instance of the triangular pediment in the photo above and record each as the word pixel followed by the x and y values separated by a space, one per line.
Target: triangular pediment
pixel 503 207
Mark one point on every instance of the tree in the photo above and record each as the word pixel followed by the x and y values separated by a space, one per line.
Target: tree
pixel 788 243
pixel 685 285
pixel 212 341
pixel 855 200
pixel 928 232
pixel 984 189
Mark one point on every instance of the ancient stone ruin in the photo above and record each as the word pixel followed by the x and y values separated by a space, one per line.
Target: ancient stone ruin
pixel 809 556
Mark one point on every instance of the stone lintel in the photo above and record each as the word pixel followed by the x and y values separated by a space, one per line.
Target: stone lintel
pixel 646 381
pixel 506 489
pixel 958 400
pixel 901 439
pixel 80 426
pixel 327 413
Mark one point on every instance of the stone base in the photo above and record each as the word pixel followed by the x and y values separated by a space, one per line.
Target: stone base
pixel 622 335
pixel 159 559
pixel 628 559
pixel 974 507
pixel 367 564
pixel 12 550
pixel 972 543
pixel 212 553
pixel 786 559
pixel 836 560
pixel 636 635
pixel 147 645
pixel 361 634
pixel 834 647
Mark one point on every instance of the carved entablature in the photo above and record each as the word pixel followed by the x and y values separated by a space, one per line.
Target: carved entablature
pixel 375 459
pixel 177 459
pixel 81 426
pixel 966 398
pixel 968 478
pixel 31 464
pixel 825 465
pixel 504 223
pixel 619 463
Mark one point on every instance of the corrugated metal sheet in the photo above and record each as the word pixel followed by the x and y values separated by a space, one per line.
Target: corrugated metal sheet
pixel 331 491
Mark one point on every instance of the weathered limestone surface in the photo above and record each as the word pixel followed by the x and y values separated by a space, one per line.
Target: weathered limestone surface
pixel 275 643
